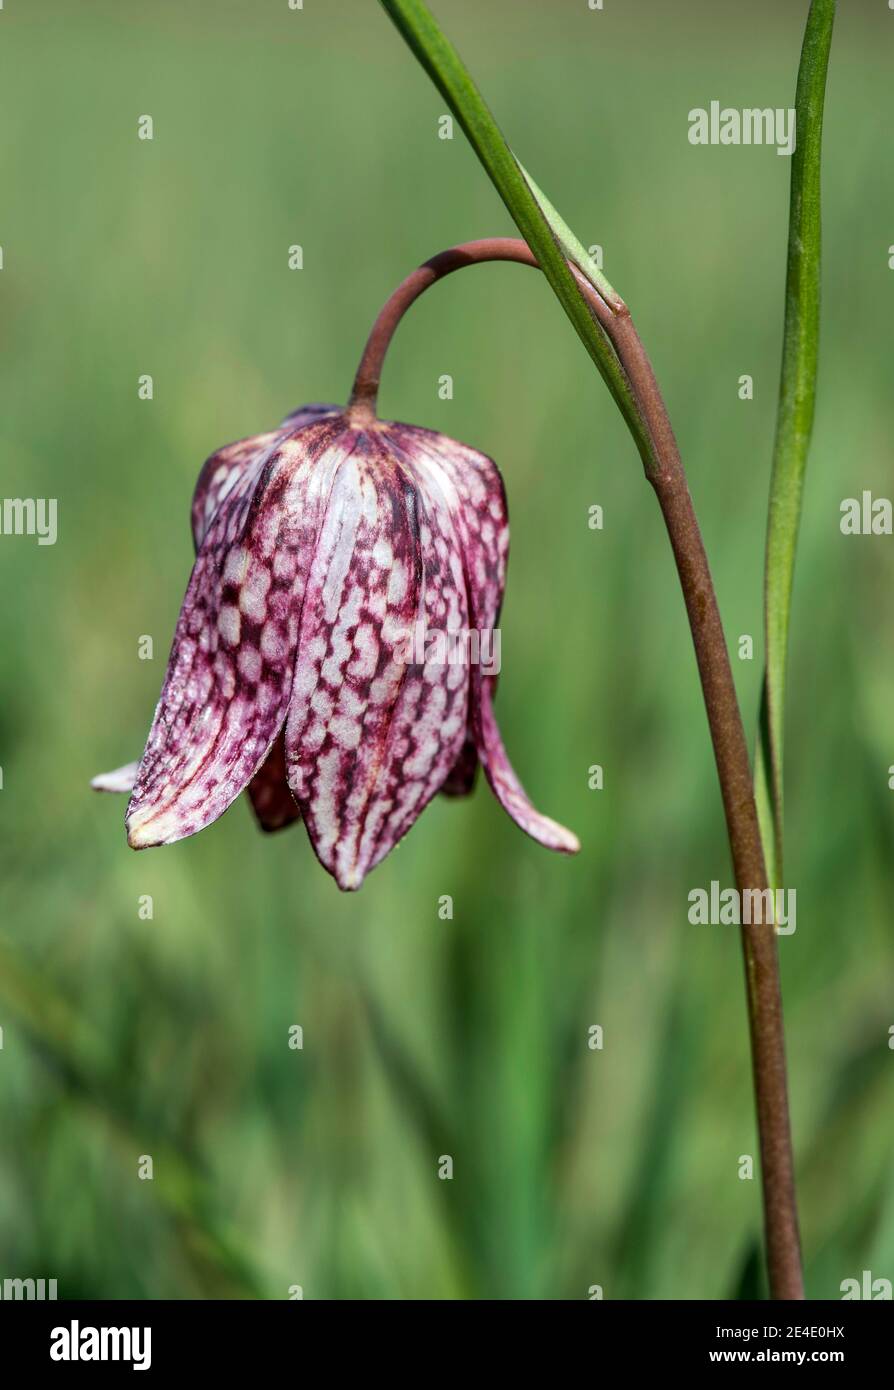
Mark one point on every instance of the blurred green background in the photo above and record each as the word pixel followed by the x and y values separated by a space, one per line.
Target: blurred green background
pixel 169 1037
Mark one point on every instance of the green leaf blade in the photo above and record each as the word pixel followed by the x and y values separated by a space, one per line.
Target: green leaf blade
pixel 794 424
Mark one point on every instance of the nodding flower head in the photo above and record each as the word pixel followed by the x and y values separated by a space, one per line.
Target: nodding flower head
pixel 325 548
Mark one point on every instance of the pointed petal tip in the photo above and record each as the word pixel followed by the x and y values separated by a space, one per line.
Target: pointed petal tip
pixel 543 829
pixel 148 827
pixel 138 838
pixel 505 784
pixel 121 780
pixel 349 869
pixel 566 841
pixel 547 832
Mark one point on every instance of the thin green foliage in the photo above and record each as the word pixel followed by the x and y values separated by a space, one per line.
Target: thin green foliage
pixel 794 425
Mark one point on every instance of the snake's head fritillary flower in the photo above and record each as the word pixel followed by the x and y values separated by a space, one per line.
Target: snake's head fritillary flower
pixel 303 667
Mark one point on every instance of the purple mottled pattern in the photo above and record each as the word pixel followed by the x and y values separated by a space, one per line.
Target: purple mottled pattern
pixel 323 547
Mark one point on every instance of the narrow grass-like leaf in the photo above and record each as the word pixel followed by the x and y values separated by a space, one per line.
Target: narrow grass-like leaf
pixel 794 422
pixel 572 246
pixel 444 66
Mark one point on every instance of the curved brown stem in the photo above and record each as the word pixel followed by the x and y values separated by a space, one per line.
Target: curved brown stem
pixel 666 474
pixel 366 383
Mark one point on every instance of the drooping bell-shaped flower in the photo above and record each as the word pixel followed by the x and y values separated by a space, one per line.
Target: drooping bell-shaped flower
pixel 321 657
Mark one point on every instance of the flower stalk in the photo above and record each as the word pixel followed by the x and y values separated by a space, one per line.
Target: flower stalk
pixel 664 470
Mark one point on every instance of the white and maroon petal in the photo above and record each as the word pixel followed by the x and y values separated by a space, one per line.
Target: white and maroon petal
pixel 482 520
pixel 372 731
pixel 229 676
pixel 268 790
pixel 475 489
pixel 222 472
pixel 121 780
pixel 430 723
pixel 502 777
pixel 310 415
pixel 226 466
pixel 478 499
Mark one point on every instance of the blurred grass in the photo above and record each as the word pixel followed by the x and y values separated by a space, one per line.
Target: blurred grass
pixel 124 1037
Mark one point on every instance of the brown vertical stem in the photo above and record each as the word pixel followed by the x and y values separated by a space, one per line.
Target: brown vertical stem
pixel 664 470
pixel 764 996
